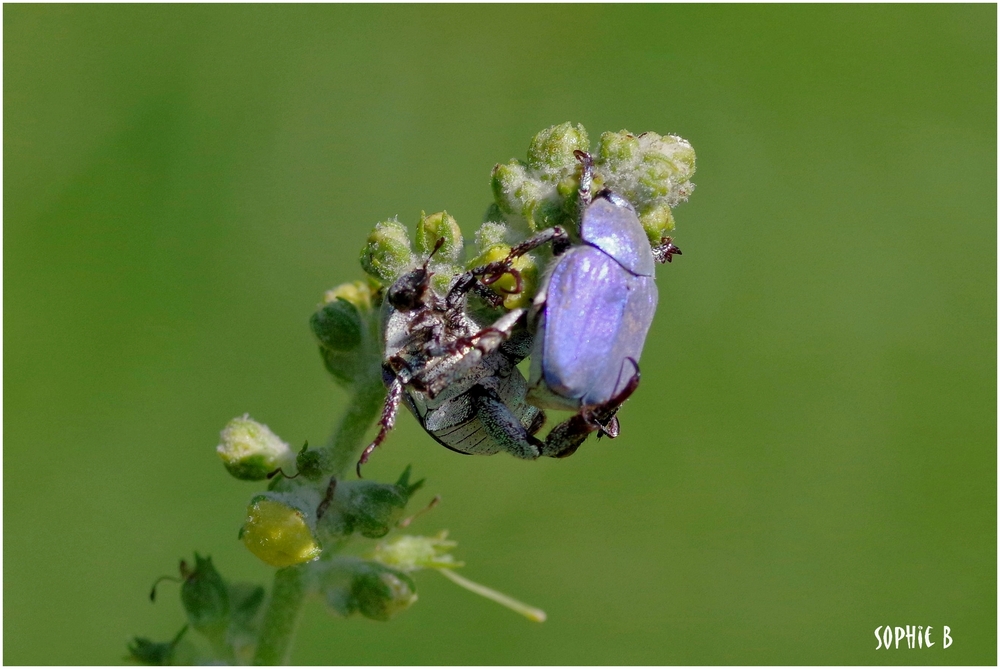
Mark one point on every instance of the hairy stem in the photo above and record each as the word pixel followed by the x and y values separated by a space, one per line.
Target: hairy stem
pixel 345 445
pixel 282 616
pixel 290 586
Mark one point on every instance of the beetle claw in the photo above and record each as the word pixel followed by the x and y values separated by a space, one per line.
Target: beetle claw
pixel 666 250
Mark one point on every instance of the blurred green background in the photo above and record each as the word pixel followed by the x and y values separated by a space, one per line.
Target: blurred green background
pixel 812 453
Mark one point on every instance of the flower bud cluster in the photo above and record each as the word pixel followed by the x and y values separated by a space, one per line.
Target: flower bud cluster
pixel 289 527
pixel 303 508
pixel 541 191
pixel 651 171
pixel 388 254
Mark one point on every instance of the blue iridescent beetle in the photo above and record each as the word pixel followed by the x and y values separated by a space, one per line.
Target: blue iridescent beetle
pixel 593 310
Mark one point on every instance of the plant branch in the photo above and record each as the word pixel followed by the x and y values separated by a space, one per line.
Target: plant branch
pixel 278 628
pixel 346 443
pixel 290 584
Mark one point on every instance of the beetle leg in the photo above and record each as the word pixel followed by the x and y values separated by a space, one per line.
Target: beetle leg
pixel 475 348
pixel 554 234
pixel 490 337
pixel 610 429
pixel 492 272
pixel 566 437
pixel 586 181
pixel 487 295
pixel 502 425
pixel 468 282
pixel 563 440
pixel 537 422
pixel 386 422
pixel 666 250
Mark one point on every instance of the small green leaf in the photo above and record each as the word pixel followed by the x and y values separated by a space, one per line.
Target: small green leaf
pixel 145 651
pixel 206 598
pixel 337 325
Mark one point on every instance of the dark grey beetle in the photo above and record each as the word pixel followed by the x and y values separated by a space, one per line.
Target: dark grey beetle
pixel 457 377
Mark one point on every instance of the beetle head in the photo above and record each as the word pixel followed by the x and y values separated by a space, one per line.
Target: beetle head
pixel 412 290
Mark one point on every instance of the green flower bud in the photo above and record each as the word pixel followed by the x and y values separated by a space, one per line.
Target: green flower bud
pixel 371 509
pixel 672 156
pixel 509 183
pixel 658 221
pixel 206 598
pixel 409 553
pixel 278 533
pixel 381 595
pixel 439 226
pixel 250 451
pixel 618 151
pixel 341 325
pixel 337 325
pixel 551 150
pixel 493 214
pixel 351 585
pixel 490 234
pixel 387 252
pixel 358 293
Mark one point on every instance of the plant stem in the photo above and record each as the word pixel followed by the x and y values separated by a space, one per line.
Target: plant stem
pixel 282 616
pixel 347 441
pixel 290 584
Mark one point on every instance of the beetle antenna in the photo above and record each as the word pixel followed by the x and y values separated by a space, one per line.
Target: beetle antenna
pixel 586 178
pixel 437 246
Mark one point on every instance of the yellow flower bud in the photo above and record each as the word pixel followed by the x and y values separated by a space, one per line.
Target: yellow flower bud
pixel 278 533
